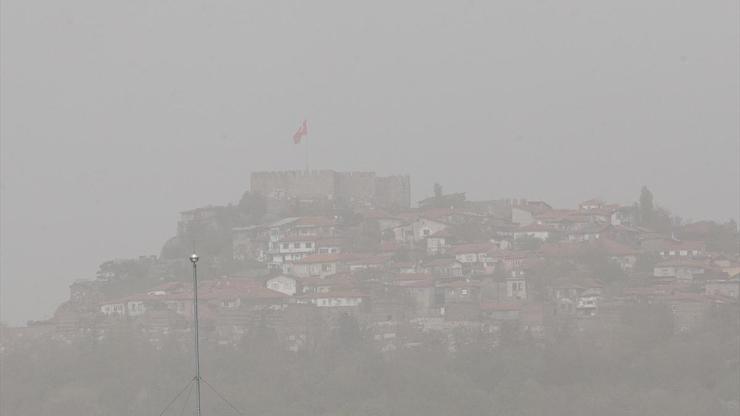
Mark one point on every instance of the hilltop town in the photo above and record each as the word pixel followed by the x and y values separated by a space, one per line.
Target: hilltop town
pixel 304 252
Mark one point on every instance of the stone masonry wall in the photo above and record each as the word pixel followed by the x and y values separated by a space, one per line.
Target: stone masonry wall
pixel 350 187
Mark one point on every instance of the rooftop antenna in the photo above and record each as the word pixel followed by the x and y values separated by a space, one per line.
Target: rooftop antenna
pixel 194 260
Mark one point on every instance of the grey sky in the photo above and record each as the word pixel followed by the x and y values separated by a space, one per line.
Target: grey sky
pixel 118 115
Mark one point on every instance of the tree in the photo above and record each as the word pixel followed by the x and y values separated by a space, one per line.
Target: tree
pixel 252 206
pixel 470 231
pixel 528 242
pixel 367 236
pixel 348 332
pixel 646 262
pixel 438 190
pixel 646 206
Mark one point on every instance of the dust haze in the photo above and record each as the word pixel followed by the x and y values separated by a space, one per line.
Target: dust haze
pixel 492 207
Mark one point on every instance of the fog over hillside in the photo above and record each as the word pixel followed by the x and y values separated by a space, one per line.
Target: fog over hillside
pixel 117 119
pixel 118 116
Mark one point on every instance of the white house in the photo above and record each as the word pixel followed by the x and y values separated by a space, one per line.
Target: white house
pixel 417 230
pixel 124 307
pixel 681 270
pixel 727 287
pixel 293 238
pixel 509 260
pixel 444 267
pixel 318 265
pixel 577 295
pixel 591 204
pixel 471 253
pixel 522 216
pixel 676 248
pixel 534 230
pixel 622 216
pixel 439 242
pixel 333 299
pixel 114 308
pixel 588 302
pixel 589 233
pixel 288 250
pixel 329 246
pixel 282 284
pixel 622 254
pixel 516 287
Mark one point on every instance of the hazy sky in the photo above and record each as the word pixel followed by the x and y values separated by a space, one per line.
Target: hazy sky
pixel 116 115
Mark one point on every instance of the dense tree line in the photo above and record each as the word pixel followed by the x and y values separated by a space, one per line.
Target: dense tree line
pixel 639 369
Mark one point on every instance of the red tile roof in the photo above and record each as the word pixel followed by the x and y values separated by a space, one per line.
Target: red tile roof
pixel 444 233
pixel 371 259
pixel 472 248
pixel 315 222
pixel 377 214
pixel 332 280
pixel 414 283
pixel 334 294
pixel 535 228
pixel 440 262
pixel 500 306
pixel 413 276
pixel 326 258
pixel 208 290
pixel 615 248
pixel 459 283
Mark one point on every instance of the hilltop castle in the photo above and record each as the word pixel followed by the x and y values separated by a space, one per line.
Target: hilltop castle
pixel 354 188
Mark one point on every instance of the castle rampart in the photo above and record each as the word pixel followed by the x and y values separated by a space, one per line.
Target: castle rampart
pixel 355 188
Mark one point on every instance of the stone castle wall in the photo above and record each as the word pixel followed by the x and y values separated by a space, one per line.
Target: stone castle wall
pixel 393 191
pixel 356 187
pixel 294 183
pixel 350 187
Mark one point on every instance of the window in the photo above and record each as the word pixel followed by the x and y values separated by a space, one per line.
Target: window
pixel 285 246
pixel 309 245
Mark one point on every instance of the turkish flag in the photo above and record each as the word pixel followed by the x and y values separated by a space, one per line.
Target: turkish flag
pixel 300 133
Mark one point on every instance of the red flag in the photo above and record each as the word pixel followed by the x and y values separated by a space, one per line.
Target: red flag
pixel 300 133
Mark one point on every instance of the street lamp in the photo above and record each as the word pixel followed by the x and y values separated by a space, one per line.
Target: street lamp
pixel 194 259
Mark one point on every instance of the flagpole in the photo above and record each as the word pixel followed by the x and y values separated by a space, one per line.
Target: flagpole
pixel 306 150
pixel 305 133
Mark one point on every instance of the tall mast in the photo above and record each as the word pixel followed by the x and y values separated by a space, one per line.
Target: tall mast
pixel 194 260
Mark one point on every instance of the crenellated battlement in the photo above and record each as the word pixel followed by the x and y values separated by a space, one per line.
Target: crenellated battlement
pixel 359 187
pixel 283 173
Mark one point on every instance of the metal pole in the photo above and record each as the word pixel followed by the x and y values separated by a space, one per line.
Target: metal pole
pixel 194 260
pixel 306 149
